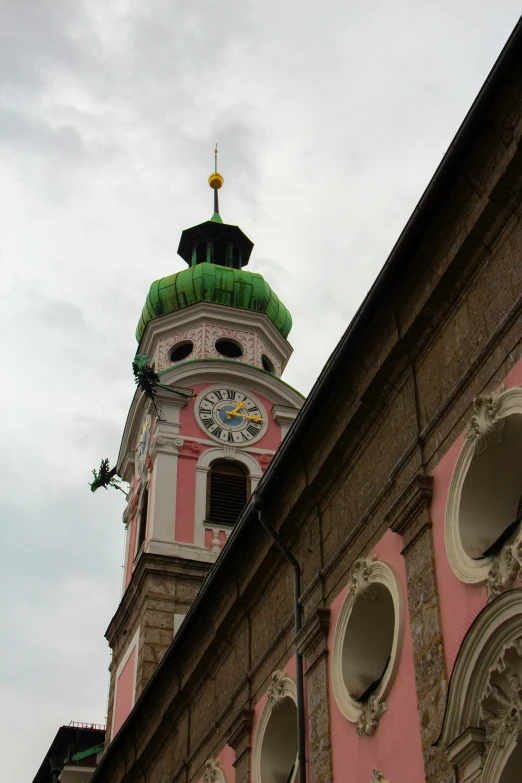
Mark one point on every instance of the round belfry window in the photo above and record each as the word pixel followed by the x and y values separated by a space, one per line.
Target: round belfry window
pixel 274 757
pixel 279 751
pixel 229 348
pixel 484 502
pixel 181 351
pixel 367 644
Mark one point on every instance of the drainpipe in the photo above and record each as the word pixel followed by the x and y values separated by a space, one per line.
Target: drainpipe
pixel 258 504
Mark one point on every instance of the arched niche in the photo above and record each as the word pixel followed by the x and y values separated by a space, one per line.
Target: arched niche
pixel 483 720
pixel 367 644
pixel 484 494
pixel 274 757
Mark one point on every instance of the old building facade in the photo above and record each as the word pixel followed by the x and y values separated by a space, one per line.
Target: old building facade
pixel 397 491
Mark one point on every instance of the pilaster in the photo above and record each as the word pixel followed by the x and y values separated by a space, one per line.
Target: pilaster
pixel 239 737
pixel 410 517
pixel 164 452
pixel 312 644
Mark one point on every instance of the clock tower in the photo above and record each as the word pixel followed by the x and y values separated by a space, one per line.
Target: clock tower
pixel 216 335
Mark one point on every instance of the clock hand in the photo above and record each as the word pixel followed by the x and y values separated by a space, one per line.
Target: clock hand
pixel 234 412
pixel 246 416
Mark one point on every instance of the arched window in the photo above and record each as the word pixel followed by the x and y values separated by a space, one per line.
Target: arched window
pixel 228 488
pixel 201 253
pixel 220 253
pixel 142 520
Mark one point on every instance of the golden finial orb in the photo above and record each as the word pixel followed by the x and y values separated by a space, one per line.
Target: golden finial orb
pixel 215 180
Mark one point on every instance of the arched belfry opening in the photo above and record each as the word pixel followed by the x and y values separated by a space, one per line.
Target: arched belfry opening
pixel 142 520
pixel 228 488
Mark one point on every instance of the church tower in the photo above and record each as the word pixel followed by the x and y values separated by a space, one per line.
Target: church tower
pixel 216 335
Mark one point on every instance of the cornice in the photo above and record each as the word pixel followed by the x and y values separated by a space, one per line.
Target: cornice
pixel 156 565
pixel 219 315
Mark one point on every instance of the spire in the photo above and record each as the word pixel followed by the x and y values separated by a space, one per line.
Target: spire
pixel 216 182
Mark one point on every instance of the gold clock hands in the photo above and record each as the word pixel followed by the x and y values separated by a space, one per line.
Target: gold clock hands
pixel 246 416
pixel 235 411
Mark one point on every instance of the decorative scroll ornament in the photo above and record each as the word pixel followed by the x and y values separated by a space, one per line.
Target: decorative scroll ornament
pixel 501 703
pixel 166 443
pixel 484 427
pixel 212 772
pixel 368 719
pixel 505 569
pixel 378 777
pixel 360 578
pixel 276 691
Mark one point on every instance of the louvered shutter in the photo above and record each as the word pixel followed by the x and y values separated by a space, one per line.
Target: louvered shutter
pixel 227 493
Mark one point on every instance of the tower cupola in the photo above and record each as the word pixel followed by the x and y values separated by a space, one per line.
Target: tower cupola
pixel 216 253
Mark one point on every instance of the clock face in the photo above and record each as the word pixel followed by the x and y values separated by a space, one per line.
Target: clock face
pixel 230 416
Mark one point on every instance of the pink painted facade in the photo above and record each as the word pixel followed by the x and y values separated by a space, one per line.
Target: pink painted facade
pixel 399 725
pixel 460 603
pixel 124 698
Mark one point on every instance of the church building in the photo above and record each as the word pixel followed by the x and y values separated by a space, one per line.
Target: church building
pixel 329 589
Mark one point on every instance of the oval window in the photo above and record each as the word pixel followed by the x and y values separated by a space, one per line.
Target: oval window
pixel 279 748
pixel 368 642
pixel 229 348
pixel 267 364
pixel 181 351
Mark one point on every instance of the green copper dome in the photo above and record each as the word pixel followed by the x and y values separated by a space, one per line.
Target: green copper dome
pixel 208 282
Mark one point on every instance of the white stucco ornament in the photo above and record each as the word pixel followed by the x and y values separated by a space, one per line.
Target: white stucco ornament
pixel 482 536
pixel 378 777
pixel 367 644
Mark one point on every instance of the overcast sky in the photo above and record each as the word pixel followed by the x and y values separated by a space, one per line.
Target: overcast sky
pixel 331 118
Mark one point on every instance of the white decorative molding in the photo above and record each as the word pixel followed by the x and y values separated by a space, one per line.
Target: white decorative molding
pixel 165 444
pixel 465 532
pixel 370 715
pixel 213 772
pixel 165 345
pixel 366 576
pixel 206 313
pixel 276 691
pixel 485 425
pixel 378 777
pixel 285 417
pixel 281 688
pixel 202 468
pixel 505 569
pixel 230 451
pixel 482 722
pixel 501 702
pixel 244 339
